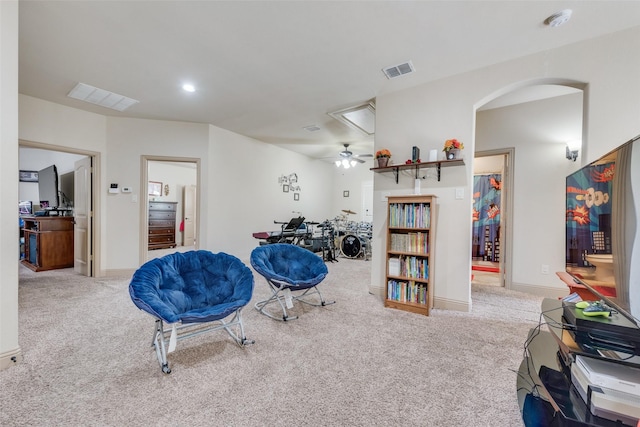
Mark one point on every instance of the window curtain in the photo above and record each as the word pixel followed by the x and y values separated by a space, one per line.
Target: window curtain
pixel 486 217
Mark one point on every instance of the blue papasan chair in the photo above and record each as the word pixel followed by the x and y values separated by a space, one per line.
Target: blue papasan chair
pixel 194 292
pixel 292 273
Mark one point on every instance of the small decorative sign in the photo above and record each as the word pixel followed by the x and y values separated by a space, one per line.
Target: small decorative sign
pixel 28 176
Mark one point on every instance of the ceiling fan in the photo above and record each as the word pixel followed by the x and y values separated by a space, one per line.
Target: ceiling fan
pixel 347 158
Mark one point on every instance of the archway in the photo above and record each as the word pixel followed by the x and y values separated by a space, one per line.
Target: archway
pixel 534 119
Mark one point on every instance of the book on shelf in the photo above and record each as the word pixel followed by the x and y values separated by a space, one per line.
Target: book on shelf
pixel 409 215
pixel 410 242
pixel 394 266
pixel 409 266
pixel 407 291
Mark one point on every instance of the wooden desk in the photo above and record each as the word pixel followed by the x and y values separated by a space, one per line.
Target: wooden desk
pixel 48 242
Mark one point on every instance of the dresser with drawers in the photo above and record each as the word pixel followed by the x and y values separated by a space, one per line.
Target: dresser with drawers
pixel 162 225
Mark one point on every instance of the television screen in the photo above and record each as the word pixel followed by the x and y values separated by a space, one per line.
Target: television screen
pixel 602 232
pixel 48 187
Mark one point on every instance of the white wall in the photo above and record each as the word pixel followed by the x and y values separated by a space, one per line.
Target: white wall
pixel 350 180
pixel 127 141
pixel 9 348
pixel 245 196
pixel 537 131
pixel 429 114
pixel 58 126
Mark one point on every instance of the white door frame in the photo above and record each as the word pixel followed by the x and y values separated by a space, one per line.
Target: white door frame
pixel 144 199
pixel 96 265
pixel 506 200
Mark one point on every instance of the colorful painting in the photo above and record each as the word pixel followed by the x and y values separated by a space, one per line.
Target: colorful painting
pixel 486 216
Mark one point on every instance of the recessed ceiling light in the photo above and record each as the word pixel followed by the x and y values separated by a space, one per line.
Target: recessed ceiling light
pixel 559 18
pixel 188 87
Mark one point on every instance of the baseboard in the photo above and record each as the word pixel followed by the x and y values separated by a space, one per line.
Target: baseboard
pixel 10 358
pixel 118 272
pixel 450 304
pixel 543 291
pixel 377 290
pixel 439 303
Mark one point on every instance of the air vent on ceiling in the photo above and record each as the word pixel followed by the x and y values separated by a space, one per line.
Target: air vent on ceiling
pixel 398 70
pixel 312 128
pixel 101 97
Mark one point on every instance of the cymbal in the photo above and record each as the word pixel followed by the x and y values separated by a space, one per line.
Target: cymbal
pixel 348 212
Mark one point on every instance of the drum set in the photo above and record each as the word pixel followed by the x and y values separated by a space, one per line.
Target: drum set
pixel 335 237
pixel 351 238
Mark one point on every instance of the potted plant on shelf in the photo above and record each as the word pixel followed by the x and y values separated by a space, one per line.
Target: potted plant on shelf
pixel 452 149
pixel 383 156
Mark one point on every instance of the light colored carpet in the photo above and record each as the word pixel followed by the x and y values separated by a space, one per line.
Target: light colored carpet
pixel 88 361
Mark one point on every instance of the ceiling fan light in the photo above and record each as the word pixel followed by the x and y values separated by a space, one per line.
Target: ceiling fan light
pixel 345 164
pixel 353 163
pixel 338 163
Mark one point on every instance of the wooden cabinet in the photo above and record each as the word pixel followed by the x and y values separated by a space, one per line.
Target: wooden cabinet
pixel 48 242
pixel 162 225
pixel 410 238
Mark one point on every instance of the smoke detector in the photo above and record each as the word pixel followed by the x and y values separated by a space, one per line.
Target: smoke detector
pixel 559 18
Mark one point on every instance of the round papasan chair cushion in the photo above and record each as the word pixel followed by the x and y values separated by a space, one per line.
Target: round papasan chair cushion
pixel 192 287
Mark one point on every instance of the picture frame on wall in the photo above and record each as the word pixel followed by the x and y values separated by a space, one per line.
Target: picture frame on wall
pixel 296 196
pixel 345 193
pixel 155 188
pixel 285 188
pixel 28 176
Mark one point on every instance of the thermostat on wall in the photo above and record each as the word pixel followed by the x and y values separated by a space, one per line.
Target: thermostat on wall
pixel 113 188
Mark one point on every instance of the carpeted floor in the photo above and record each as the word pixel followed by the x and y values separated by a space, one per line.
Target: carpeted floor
pixel 88 361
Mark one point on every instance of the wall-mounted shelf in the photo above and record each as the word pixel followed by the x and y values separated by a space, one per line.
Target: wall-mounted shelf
pixel 417 166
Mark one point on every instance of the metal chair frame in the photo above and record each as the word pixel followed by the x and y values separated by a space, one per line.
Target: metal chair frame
pixel 162 336
pixel 278 287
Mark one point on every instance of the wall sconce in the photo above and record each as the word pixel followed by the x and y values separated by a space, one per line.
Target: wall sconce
pixel 573 147
pixel 346 163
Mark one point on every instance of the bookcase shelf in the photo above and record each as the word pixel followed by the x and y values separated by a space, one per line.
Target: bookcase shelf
pixel 409 253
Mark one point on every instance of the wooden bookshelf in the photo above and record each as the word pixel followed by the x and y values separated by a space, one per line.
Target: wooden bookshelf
pixel 409 249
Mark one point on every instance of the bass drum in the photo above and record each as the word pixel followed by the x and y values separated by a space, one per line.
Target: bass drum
pixel 352 245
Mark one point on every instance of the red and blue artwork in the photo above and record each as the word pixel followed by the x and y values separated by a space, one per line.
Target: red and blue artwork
pixel 588 212
pixel 486 216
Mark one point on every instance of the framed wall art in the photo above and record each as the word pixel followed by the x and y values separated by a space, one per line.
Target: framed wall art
pixel 155 188
pixel 28 176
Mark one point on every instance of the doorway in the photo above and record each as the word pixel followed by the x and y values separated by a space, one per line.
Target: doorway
pixel 173 184
pixel 491 226
pixel 32 155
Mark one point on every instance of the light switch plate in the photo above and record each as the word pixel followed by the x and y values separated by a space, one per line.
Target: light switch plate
pixel 459 193
pixel 126 189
